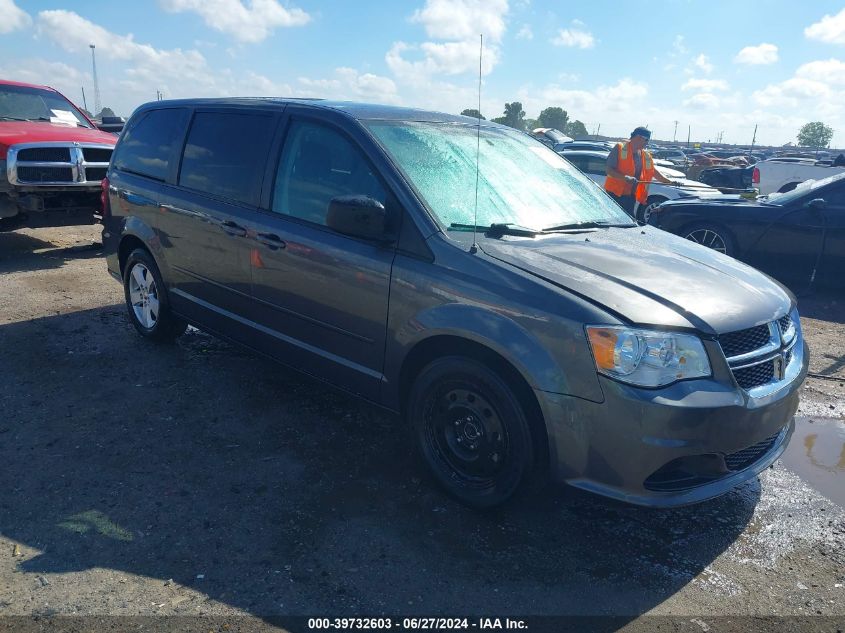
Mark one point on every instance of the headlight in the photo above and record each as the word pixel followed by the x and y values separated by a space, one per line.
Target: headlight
pixel 647 358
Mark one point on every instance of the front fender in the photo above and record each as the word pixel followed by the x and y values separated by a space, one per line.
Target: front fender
pixel 541 358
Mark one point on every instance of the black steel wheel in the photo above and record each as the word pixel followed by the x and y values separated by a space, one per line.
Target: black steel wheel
pixel 471 430
pixel 146 299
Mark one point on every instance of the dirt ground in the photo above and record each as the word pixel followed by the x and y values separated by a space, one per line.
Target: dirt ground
pixel 198 480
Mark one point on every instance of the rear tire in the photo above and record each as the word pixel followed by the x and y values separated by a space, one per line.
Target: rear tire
pixel 146 299
pixel 472 431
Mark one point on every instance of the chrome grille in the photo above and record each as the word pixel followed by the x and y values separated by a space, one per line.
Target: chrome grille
pixel 96 173
pixel 744 341
pixel 45 154
pixel 45 174
pixel 756 375
pixel 764 357
pixel 58 164
pixel 96 154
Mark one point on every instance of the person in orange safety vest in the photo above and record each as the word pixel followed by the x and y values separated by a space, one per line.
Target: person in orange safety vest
pixel 630 168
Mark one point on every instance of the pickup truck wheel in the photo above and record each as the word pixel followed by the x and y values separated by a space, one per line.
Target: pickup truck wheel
pixel 146 299
pixel 471 430
pixel 711 236
pixel 644 211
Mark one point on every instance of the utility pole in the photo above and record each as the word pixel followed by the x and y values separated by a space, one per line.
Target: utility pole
pixel 675 133
pixel 597 131
pixel 753 139
pixel 689 131
pixel 84 102
pixel 96 82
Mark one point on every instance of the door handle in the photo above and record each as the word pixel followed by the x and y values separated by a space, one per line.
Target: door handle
pixel 270 239
pixel 233 229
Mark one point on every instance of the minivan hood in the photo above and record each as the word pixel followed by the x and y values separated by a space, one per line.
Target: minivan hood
pixel 650 277
pixel 14 132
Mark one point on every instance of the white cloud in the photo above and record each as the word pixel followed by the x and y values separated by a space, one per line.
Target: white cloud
pixel 348 84
pixel 525 33
pixel 703 101
pixel 793 92
pixel 63 77
pixel 705 85
pixel 830 71
pixel 574 38
pixel 678 46
pixel 830 29
pixel 607 102
pixel 757 55
pixel 12 17
pixel 463 19
pixel 251 23
pixel 446 58
pixel 145 68
pixel 457 24
pixel 702 62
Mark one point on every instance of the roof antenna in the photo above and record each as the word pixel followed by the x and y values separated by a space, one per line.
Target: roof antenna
pixel 474 248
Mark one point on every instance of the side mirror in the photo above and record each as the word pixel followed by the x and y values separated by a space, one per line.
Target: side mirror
pixel 357 216
pixel 817 204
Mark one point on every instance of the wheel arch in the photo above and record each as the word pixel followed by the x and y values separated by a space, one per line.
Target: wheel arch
pixel 138 234
pixel 443 345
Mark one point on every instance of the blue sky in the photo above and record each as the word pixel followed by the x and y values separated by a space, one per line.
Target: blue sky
pixel 717 66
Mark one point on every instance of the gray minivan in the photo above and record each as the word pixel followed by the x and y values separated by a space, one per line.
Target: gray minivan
pixel 466 276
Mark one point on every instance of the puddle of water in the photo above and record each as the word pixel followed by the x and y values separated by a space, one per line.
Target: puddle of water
pixel 816 453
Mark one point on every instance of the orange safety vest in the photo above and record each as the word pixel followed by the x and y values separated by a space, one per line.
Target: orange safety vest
pixel 625 166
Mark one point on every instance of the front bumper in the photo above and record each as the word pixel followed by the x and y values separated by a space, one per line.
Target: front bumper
pixel 689 442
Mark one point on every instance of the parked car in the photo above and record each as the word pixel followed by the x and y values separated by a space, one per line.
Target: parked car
pixel 727 179
pixel 596 146
pixel 113 124
pixel 594 164
pixel 674 155
pixel 52 158
pixel 550 137
pixel 537 331
pixel 796 237
pixel 782 175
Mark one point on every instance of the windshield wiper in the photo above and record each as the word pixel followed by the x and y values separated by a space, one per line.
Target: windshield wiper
pixel 589 224
pixel 12 118
pixel 497 229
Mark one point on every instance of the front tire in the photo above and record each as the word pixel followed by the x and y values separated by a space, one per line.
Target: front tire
pixel 146 299
pixel 711 236
pixel 645 211
pixel 472 431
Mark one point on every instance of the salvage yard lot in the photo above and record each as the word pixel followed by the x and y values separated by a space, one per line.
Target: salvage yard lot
pixel 200 479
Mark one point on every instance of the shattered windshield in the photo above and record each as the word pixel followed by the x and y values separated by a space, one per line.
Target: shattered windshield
pixel 520 181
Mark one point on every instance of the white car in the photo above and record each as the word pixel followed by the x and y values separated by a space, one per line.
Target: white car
pixel 593 165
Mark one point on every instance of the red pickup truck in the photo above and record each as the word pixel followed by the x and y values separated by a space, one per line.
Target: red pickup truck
pixel 52 158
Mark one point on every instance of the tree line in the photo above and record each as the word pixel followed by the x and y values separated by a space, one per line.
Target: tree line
pixel 553 117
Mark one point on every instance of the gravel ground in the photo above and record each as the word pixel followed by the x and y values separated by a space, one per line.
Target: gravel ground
pixel 197 479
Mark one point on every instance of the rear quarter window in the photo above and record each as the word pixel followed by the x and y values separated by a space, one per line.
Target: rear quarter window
pixel 147 147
